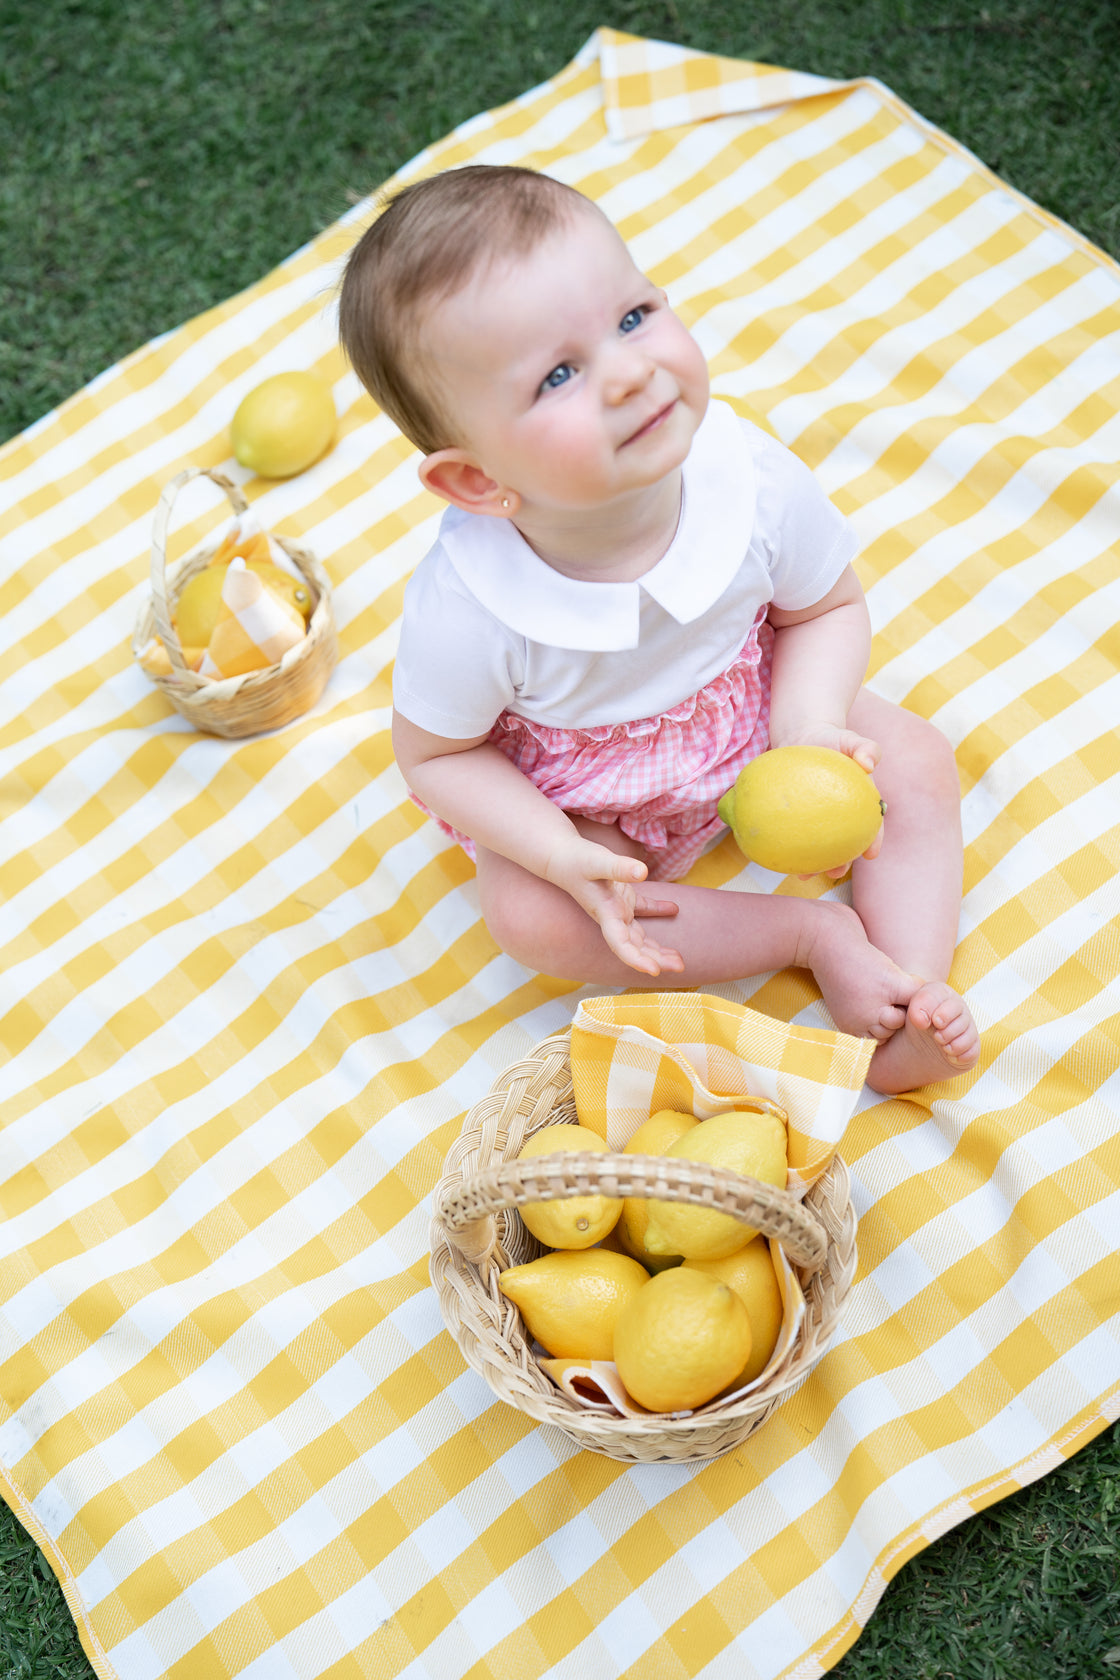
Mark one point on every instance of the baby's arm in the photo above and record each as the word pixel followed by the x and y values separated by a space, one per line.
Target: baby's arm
pixel 473 786
pixel 820 659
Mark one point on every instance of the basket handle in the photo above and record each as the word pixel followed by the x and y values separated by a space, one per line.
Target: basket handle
pixel 161 612
pixel 466 1208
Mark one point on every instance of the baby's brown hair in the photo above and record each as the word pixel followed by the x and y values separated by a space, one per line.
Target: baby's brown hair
pixel 427 242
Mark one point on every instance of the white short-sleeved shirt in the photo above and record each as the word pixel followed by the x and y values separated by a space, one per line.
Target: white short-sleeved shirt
pixel 488 626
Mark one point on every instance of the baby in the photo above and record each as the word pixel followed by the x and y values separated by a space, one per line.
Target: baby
pixel 633 593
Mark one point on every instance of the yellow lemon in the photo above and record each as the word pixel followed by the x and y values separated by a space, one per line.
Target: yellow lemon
pixel 754 1144
pixel 680 1340
pixel 196 610
pixel 652 1138
pixel 571 1300
pixel 581 1220
pixel 750 1273
pixel 660 1131
pixel 802 810
pixel 284 586
pixel 200 603
pixel 283 425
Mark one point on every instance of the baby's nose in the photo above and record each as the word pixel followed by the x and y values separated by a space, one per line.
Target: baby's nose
pixel 628 371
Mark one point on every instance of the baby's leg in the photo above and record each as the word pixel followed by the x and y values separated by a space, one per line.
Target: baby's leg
pixel 908 898
pixel 720 936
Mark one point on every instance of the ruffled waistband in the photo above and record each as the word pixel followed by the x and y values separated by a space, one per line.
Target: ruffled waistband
pixel 712 696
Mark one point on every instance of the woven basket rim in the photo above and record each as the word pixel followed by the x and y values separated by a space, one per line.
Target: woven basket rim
pixel 763 1207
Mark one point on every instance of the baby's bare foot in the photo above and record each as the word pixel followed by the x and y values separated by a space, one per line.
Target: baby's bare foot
pixel 865 992
pixel 938 1041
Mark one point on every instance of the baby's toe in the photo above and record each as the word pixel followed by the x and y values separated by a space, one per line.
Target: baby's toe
pixel 934 1005
pixel 964 1045
pixel 956 1032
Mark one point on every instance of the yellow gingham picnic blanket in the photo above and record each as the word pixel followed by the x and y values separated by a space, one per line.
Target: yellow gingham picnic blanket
pixel 247 995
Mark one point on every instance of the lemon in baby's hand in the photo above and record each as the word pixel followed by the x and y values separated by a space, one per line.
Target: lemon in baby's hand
pixel 753 1144
pixel 651 1138
pixel 750 1273
pixel 283 425
pixel 570 1301
pixel 802 810
pixel 680 1340
pixel 578 1221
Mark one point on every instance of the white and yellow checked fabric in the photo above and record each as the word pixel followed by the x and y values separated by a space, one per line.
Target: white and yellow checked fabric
pixel 697 1053
pixel 247 994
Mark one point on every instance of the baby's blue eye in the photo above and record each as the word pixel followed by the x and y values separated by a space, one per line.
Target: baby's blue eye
pixel 633 318
pixel 559 376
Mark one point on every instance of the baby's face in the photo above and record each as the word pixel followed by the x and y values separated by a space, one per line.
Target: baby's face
pixel 566 374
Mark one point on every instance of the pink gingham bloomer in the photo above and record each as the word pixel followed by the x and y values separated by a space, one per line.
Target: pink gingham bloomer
pixel 660 778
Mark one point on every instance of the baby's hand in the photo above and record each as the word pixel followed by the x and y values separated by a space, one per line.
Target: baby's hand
pixel 605 885
pixel 865 752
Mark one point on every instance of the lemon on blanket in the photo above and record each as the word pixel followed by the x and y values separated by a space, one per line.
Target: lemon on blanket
pixel 680 1340
pixel 802 810
pixel 750 1273
pixel 200 602
pixel 571 1300
pixel 578 1221
pixel 652 1138
pixel 284 424
pixel 754 1144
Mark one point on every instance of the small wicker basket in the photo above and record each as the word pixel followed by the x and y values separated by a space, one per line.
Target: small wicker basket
pixel 477 1233
pixel 259 700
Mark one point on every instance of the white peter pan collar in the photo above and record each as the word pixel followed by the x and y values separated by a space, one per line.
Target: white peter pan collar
pixel 521 591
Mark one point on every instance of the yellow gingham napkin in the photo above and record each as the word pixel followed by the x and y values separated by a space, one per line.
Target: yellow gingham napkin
pixel 696 1053
pixel 255 628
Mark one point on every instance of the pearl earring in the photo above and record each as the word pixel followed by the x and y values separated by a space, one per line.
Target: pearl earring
pixel 506 502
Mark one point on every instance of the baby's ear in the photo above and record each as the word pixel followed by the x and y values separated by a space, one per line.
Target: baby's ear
pixel 457 477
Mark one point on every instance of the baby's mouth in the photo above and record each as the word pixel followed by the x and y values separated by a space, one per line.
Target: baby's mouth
pixel 652 423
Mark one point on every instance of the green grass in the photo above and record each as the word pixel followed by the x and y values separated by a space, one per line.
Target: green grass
pixel 161 155
pixel 38 1641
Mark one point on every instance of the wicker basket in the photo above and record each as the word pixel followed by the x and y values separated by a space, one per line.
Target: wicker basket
pixel 477 1233
pixel 259 700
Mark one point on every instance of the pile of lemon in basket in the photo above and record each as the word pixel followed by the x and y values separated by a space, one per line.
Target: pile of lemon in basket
pixel 683 1299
